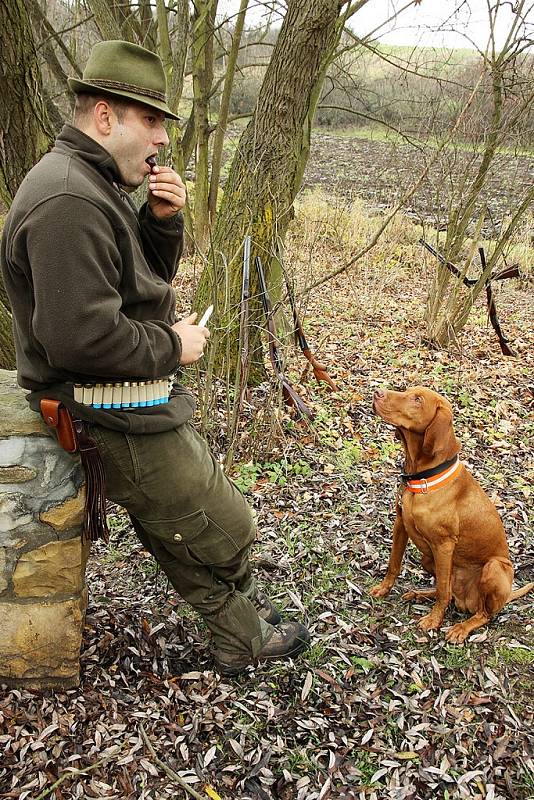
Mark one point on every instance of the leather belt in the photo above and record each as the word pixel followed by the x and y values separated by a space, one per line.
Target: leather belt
pixel 123 394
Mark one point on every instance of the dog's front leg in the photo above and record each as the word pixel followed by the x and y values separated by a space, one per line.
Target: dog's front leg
pixel 443 554
pixel 400 538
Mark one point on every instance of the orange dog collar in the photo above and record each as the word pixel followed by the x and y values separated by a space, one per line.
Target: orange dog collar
pixel 432 484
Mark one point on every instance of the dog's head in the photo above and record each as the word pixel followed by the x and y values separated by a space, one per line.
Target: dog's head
pixel 422 420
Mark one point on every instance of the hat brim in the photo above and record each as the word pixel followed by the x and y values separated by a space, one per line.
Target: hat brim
pixel 77 86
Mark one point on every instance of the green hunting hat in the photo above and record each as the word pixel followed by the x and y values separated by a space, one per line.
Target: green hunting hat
pixel 126 70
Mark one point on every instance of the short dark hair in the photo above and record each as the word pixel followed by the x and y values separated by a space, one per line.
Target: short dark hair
pixel 86 101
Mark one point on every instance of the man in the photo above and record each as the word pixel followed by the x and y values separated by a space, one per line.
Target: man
pixel 94 320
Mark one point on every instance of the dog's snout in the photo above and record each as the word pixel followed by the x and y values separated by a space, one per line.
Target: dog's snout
pixel 379 394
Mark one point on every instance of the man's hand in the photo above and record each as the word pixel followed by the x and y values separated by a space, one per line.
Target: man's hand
pixel 166 192
pixel 193 339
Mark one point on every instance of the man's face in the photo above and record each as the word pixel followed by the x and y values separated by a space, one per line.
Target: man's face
pixel 139 135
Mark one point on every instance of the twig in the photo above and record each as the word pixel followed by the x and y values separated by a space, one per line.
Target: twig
pixel 74 772
pixel 170 772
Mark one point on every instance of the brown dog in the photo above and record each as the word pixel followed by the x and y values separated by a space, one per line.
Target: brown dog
pixel 447 515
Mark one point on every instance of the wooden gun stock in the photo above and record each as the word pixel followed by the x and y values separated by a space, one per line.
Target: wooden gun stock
pixel 319 370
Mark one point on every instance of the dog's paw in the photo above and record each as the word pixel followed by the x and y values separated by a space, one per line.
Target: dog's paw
pixel 430 622
pixel 380 590
pixel 457 634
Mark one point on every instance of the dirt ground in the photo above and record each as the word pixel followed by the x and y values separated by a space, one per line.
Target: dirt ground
pixel 380 172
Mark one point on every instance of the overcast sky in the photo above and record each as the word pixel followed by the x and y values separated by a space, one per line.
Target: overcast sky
pixel 433 23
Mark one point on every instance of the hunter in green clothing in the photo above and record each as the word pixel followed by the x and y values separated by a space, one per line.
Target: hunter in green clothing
pixel 89 281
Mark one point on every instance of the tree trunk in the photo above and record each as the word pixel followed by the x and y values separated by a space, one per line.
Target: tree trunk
pixel 202 68
pixel 106 16
pixel 7 347
pixel 220 130
pixel 449 303
pixel 262 184
pixel 174 62
pixel 25 131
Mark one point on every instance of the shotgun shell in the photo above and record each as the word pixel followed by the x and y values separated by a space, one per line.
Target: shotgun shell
pixel 107 395
pixel 98 393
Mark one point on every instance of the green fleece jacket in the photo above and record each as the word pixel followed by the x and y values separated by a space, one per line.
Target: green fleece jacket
pixel 88 279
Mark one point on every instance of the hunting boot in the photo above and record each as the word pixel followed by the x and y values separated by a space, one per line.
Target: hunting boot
pixel 286 641
pixel 266 610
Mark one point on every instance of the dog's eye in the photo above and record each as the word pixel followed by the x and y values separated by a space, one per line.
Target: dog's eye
pixel 418 398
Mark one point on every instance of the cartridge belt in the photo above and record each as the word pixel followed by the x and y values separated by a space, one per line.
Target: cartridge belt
pixel 124 394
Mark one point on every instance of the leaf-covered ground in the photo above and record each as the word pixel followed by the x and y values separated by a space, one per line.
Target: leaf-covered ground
pixel 376 709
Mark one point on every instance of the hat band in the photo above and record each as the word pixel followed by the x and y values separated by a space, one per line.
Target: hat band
pixel 127 87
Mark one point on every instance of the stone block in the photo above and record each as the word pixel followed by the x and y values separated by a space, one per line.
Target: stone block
pixel 56 568
pixel 57 477
pixel 29 537
pixel 5 571
pixel 17 419
pixel 16 474
pixel 13 513
pixel 67 514
pixel 40 642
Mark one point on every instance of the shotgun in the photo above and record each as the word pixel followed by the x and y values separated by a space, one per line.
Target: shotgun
pixel 319 370
pixel 509 272
pixel 289 394
pixel 492 309
pixel 243 323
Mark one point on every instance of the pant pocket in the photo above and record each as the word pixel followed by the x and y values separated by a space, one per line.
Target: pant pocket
pixel 120 464
pixel 195 536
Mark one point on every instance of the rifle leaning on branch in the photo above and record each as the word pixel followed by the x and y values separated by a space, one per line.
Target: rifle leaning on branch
pixel 241 378
pixel 492 309
pixel 508 272
pixel 289 394
pixel 319 370
pixel 243 324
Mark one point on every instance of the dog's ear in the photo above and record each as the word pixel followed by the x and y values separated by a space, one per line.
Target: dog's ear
pixel 439 439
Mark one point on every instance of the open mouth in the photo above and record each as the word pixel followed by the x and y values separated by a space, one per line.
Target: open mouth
pixel 151 161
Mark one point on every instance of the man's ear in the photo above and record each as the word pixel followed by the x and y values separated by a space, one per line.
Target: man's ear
pixel 103 117
pixel 439 439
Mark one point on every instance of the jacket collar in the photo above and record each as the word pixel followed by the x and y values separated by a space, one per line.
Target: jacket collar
pixel 78 144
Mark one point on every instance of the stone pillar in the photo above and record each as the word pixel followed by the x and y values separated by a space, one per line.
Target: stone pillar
pixel 42 561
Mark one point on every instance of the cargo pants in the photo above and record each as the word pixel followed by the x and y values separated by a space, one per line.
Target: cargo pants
pixel 194 521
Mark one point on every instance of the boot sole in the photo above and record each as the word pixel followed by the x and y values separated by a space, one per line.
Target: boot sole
pixel 227 670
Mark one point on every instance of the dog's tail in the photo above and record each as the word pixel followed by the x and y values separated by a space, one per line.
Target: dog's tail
pixel 520 592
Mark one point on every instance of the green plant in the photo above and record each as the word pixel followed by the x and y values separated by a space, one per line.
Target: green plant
pixel 246 476
pixel 362 664
pixel 366 764
pixel 299 761
pixel 513 655
pixel 349 455
pixel 316 655
pixel 456 657
pixel 277 472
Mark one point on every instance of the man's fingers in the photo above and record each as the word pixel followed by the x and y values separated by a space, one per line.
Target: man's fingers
pixel 176 199
pixel 168 176
pixel 167 192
